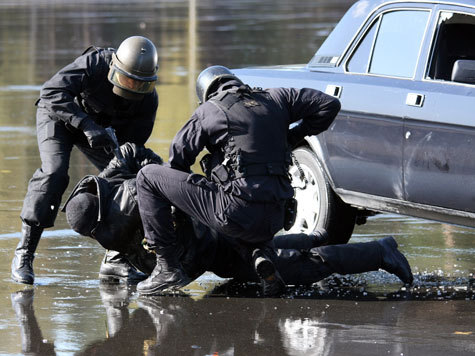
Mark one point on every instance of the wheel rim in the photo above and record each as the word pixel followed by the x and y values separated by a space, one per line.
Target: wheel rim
pixel 308 197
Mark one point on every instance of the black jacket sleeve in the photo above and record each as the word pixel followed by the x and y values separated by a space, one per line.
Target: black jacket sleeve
pixel 58 94
pixel 315 109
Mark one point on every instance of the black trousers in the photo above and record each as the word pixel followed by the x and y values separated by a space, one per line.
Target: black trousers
pixel 297 267
pixel 47 186
pixel 159 187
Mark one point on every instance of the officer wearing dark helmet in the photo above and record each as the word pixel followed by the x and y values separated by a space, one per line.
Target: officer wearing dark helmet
pixel 243 196
pixel 102 88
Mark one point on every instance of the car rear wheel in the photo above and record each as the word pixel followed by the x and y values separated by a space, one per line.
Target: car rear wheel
pixel 318 205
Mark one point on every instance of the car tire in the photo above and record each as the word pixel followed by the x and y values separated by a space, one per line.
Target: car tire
pixel 318 205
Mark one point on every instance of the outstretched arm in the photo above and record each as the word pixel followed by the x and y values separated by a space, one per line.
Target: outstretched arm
pixel 135 158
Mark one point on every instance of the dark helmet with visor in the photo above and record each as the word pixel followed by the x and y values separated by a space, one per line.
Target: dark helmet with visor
pixel 134 67
pixel 210 79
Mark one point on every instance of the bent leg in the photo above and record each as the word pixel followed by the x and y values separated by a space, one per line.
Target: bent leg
pixel 301 268
pixel 49 182
pixel 158 188
pixel 43 197
pixel 365 257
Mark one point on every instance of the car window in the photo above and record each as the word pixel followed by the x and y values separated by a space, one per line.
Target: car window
pixel 358 62
pixel 398 43
pixel 453 42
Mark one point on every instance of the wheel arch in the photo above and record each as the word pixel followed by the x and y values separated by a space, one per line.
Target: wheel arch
pixel 315 144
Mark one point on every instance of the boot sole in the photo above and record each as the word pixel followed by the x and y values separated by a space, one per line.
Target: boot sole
pixel 164 289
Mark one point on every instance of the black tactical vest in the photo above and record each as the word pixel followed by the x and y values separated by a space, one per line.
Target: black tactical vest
pixel 257 134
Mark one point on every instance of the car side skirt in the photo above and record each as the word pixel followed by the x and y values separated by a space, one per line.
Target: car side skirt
pixel 387 205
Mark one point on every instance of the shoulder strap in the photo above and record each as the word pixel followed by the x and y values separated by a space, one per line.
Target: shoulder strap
pixel 90 49
pixel 97 49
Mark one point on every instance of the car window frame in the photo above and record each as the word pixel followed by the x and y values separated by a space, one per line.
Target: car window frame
pixel 433 40
pixel 375 22
pixel 364 31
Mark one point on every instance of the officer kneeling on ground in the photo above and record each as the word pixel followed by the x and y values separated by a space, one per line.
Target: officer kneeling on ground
pixel 247 134
pixel 105 208
pixel 101 88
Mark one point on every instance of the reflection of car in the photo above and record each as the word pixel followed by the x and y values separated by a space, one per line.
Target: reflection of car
pixel 404 140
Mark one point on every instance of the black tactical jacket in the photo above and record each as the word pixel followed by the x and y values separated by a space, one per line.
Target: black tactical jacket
pixel 209 128
pixel 118 219
pixel 81 89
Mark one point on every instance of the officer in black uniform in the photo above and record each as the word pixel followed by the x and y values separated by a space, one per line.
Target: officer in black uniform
pixel 101 88
pixel 247 134
pixel 104 207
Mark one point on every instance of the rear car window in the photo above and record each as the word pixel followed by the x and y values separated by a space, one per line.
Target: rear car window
pixel 454 40
pixel 392 44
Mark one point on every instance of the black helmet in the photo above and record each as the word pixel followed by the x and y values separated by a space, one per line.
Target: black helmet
pixel 209 80
pixel 133 69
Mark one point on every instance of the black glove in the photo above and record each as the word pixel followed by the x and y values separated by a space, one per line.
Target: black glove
pixel 96 135
pixel 295 136
pixel 146 156
pixel 135 158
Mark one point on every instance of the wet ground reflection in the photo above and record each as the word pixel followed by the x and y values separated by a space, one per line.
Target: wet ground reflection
pixel 220 325
pixel 69 310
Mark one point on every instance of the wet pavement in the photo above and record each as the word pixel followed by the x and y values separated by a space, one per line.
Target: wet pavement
pixel 70 311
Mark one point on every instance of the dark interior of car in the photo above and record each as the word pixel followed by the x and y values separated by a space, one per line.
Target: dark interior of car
pixel 455 41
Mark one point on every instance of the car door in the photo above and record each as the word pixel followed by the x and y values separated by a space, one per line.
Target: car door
pixel 439 163
pixel 365 144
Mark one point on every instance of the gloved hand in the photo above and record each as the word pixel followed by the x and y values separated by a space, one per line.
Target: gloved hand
pixel 96 135
pixel 135 158
pixel 295 135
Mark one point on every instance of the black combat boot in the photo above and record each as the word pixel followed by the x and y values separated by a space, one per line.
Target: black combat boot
pixel 394 261
pixel 317 237
pixel 271 281
pixel 22 263
pixel 116 266
pixel 167 276
pixel 365 257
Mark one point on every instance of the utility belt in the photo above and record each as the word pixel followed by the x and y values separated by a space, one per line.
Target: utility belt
pixel 223 174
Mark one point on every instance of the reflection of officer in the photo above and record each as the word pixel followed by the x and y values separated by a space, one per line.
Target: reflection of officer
pixel 101 88
pixel 246 131
pixel 32 341
pixel 128 331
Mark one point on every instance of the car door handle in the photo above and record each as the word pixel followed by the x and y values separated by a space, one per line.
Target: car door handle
pixel 414 99
pixel 334 90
